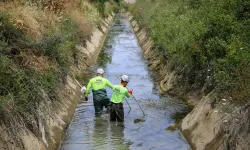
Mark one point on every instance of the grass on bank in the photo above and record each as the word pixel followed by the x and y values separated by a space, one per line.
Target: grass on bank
pixel 207 44
pixel 37 48
pixel 206 41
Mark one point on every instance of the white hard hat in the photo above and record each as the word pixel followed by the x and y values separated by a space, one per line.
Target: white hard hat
pixel 125 78
pixel 100 71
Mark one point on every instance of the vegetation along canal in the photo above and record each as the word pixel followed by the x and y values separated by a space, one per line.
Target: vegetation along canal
pixel 120 55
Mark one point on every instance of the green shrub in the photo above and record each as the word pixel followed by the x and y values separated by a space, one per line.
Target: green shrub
pixel 105 7
pixel 125 5
pixel 9 34
pixel 22 88
pixel 59 44
pixel 25 83
pixel 203 35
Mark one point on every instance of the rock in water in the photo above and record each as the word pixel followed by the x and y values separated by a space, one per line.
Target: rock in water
pixel 138 120
pixel 172 127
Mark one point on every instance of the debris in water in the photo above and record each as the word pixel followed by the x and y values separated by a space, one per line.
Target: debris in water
pixel 138 120
pixel 152 104
pixel 172 127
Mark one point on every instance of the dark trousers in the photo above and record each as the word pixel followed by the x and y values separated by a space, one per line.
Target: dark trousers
pixel 116 112
pixel 99 106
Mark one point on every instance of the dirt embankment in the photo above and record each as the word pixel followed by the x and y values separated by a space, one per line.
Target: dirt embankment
pixel 215 121
pixel 52 123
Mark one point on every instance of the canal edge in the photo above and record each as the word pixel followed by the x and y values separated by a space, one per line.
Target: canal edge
pixel 153 57
pixel 92 50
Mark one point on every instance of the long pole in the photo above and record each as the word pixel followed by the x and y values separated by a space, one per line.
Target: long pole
pixel 128 104
pixel 138 105
pixel 78 83
pixel 133 97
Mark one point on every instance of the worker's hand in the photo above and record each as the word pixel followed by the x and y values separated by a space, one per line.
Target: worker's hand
pixel 130 92
pixel 86 98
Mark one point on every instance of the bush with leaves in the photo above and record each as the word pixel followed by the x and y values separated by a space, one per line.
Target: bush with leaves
pixel 211 37
pixel 23 87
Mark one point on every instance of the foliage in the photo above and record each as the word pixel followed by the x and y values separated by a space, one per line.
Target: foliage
pixel 210 37
pixel 105 7
pixel 24 87
pixel 20 86
pixel 125 5
pixel 9 33
pixel 110 7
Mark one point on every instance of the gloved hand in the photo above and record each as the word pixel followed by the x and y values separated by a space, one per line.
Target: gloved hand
pixel 130 92
pixel 86 98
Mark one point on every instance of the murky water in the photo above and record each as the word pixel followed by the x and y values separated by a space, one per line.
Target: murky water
pixel 121 54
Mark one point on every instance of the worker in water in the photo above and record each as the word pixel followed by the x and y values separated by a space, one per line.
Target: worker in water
pixel 98 85
pixel 119 92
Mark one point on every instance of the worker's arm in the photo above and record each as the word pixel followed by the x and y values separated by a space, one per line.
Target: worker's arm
pixel 109 84
pixel 88 88
pixel 127 94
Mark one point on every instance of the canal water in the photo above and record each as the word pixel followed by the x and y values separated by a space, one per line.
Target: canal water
pixel 120 55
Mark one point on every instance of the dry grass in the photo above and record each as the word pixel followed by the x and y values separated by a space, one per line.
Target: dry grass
pixel 236 126
pixel 56 6
pixel 84 26
pixel 239 130
pixel 56 28
pixel 39 63
pixel 7 5
pixel 33 21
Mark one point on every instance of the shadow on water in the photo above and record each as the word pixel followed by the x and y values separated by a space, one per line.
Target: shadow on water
pixel 121 54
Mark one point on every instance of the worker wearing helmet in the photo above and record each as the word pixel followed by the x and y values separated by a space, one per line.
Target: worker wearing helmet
pixel 118 95
pixel 98 85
